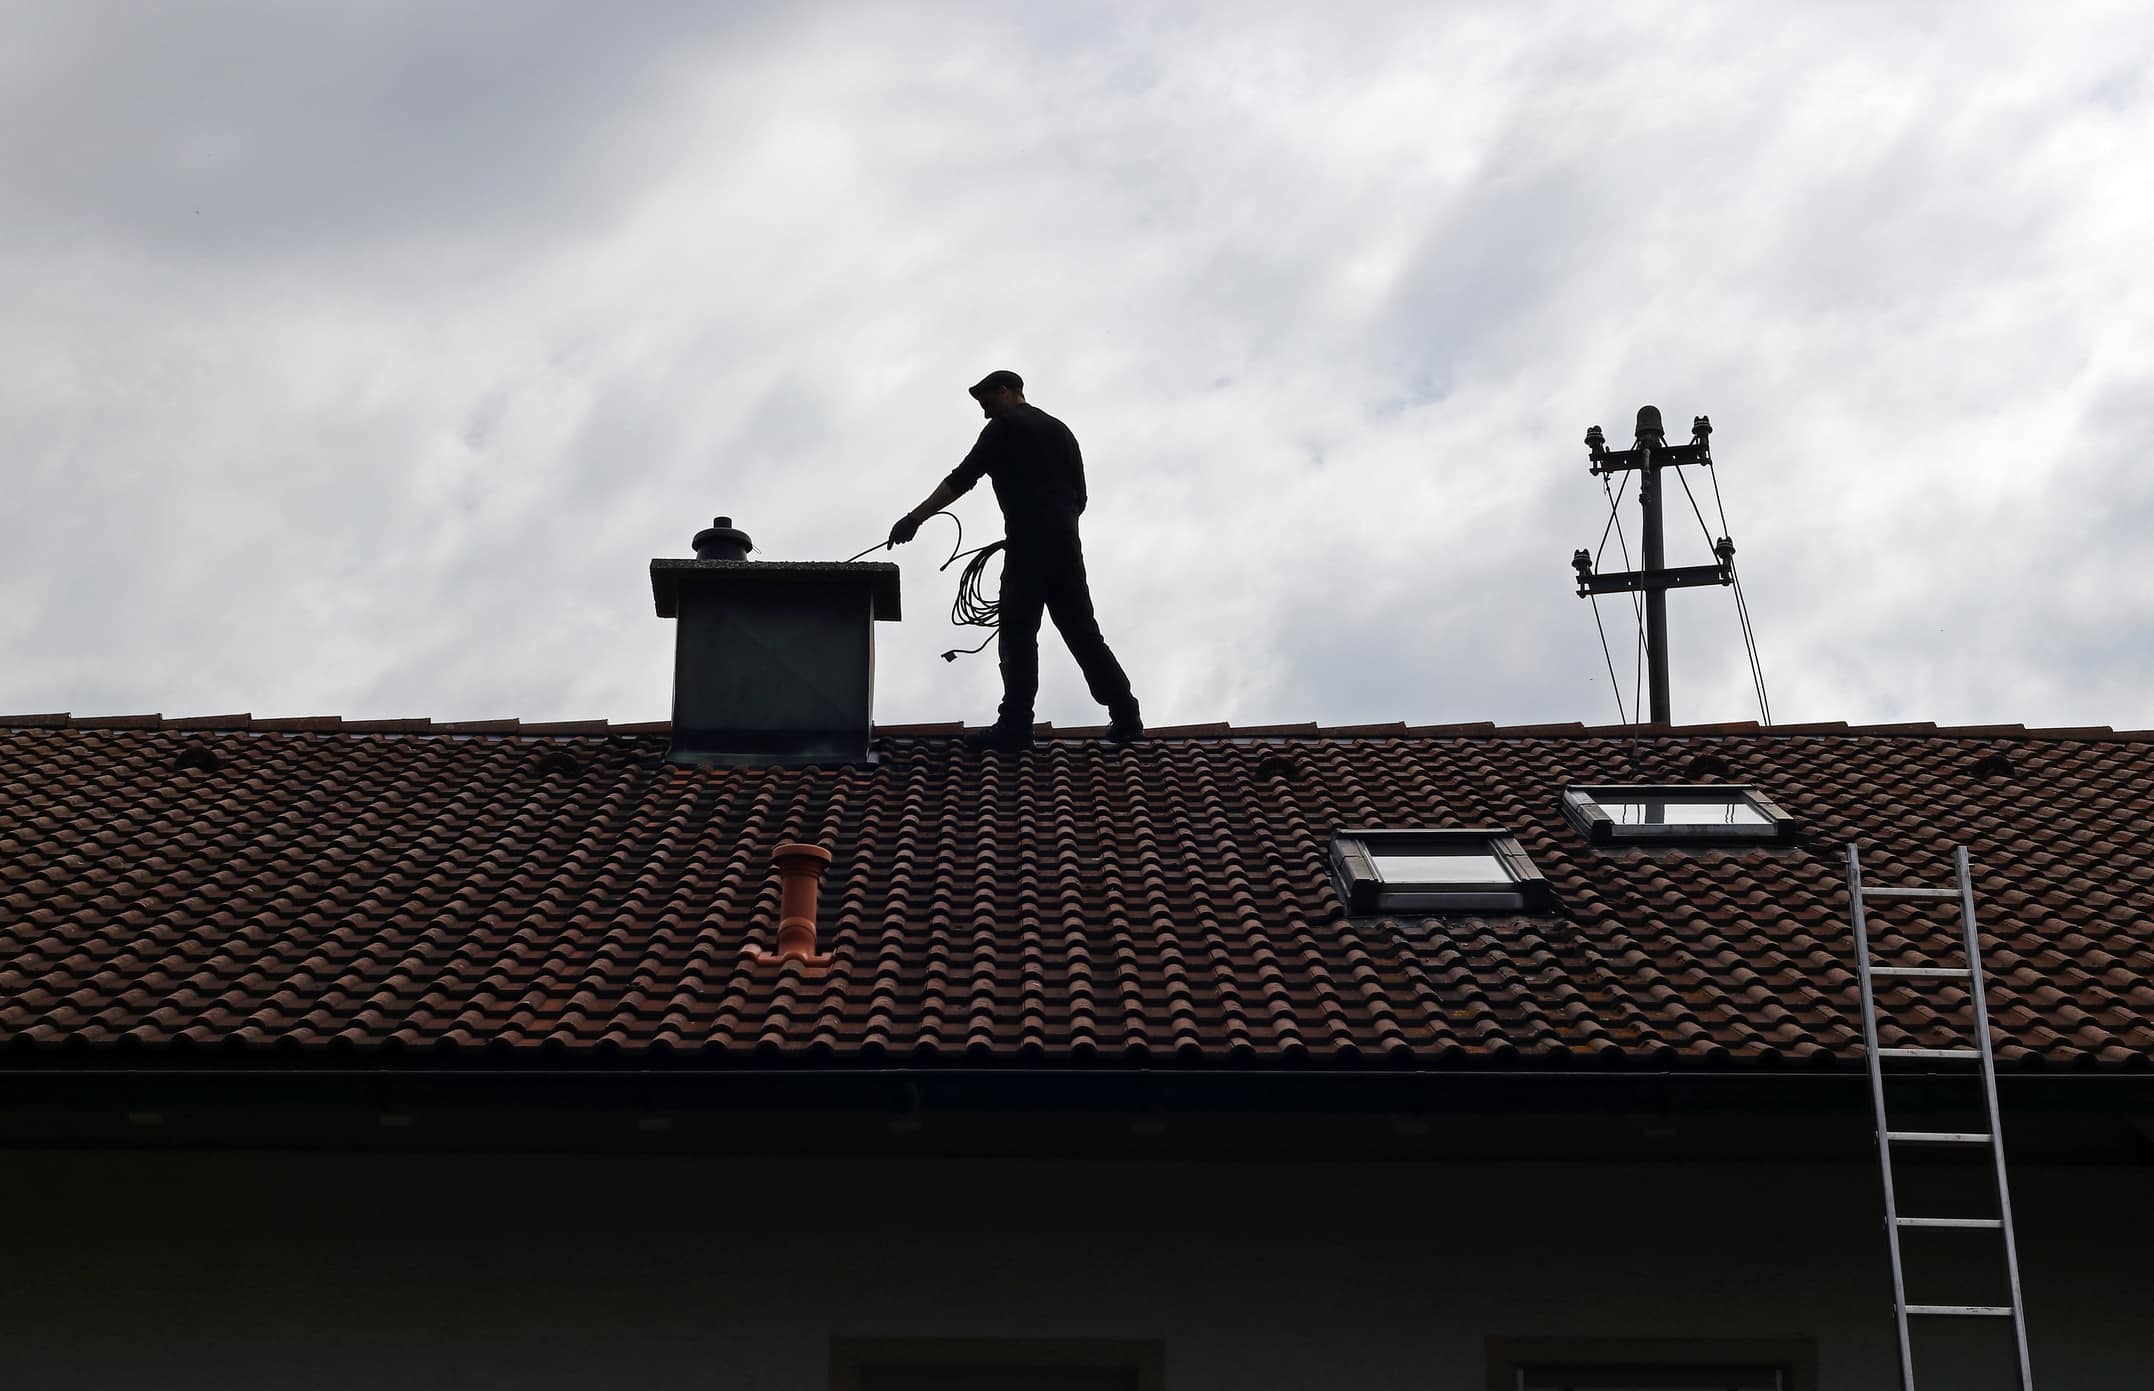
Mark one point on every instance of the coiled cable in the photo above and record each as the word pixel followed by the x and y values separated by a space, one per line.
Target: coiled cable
pixel 972 608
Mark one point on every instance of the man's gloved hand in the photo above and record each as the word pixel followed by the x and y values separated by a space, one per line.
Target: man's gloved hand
pixel 907 527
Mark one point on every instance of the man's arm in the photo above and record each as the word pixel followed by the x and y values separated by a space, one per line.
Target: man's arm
pixel 942 497
pixel 908 526
pixel 960 482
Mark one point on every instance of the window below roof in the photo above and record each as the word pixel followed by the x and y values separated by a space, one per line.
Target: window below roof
pixel 1652 1364
pixel 995 1364
pixel 1677 814
pixel 1651 1379
pixel 1447 870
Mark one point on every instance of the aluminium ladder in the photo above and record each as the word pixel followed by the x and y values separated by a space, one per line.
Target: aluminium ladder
pixel 1887 1137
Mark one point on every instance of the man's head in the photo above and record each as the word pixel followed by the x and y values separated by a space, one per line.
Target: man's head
pixel 998 393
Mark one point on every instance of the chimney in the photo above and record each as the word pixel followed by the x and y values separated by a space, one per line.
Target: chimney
pixel 773 661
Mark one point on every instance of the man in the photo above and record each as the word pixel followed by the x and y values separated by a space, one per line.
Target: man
pixel 1038 474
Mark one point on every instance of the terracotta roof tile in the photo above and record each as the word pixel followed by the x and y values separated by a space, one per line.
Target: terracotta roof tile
pixel 558 890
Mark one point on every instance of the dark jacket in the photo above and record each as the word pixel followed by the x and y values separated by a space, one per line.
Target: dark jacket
pixel 1037 471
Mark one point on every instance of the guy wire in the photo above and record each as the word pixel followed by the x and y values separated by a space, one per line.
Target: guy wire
pixel 1742 605
pixel 1637 602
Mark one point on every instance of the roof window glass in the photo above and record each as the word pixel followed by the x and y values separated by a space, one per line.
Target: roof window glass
pixel 1698 814
pixel 1466 866
pixel 1668 811
pixel 1436 870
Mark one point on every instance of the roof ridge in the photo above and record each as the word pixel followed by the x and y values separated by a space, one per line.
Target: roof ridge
pixel 1396 729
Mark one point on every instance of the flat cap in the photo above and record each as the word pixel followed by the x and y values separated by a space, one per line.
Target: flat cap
pixel 995 380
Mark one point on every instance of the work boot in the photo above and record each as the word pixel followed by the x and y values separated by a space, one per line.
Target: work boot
pixel 1128 727
pixel 1000 736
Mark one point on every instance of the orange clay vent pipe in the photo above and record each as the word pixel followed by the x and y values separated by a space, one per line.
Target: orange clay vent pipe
pixel 800 872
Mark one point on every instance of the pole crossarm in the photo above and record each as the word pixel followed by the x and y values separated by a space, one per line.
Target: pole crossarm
pixel 1627 581
pixel 1659 456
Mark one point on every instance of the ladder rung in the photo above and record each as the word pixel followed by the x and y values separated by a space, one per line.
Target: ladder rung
pixel 1936 1137
pixel 1979 1223
pixel 1929 1052
pixel 1940 972
pixel 1910 893
pixel 1978 1311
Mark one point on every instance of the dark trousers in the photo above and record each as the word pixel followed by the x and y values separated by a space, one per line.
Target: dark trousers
pixel 1047 575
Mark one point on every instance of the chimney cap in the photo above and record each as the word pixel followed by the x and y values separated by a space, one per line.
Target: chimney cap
pixel 721 540
pixel 668 576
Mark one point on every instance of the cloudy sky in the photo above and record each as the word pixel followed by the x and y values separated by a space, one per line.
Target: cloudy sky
pixel 357 358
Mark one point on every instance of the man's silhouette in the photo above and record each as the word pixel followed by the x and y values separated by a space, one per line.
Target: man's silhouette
pixel 1038 473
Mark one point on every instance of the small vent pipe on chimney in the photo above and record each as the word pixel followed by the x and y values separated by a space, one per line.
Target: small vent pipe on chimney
pixel 721 541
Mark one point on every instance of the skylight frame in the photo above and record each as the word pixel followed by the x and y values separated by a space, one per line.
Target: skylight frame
pixel 1354 871
pixel 1581 804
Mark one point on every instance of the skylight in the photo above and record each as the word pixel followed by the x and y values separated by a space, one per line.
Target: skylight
pixel 1677 813
pixel 1648 810
pixel 1437 870
pixel 1465 866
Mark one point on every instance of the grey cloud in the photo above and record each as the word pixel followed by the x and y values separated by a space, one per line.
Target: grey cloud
pixel 247 131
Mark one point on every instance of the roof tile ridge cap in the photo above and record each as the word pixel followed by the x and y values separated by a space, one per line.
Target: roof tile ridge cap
pixel 211 722
pixel 1712 727
pixel 1648 729
pixel 296 724
pixel 56 719
pixel 116 722
pixel 2098 733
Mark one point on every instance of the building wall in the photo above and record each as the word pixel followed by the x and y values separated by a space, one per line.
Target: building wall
pixel 205 1269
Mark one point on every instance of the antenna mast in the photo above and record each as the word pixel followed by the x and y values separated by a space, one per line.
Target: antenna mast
pixel 1649 455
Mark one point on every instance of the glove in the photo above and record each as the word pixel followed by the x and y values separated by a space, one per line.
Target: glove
pixel 907 528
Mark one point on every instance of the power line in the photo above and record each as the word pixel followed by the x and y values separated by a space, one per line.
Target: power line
pixel 1622 715
pixel 1683 479
pixel 1742 605
pixel 1637 602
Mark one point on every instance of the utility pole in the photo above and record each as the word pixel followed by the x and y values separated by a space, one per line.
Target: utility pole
pixel 1651 442
pixel 1649 455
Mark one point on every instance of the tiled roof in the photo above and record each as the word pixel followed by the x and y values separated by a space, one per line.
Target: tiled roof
pixel 508 893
